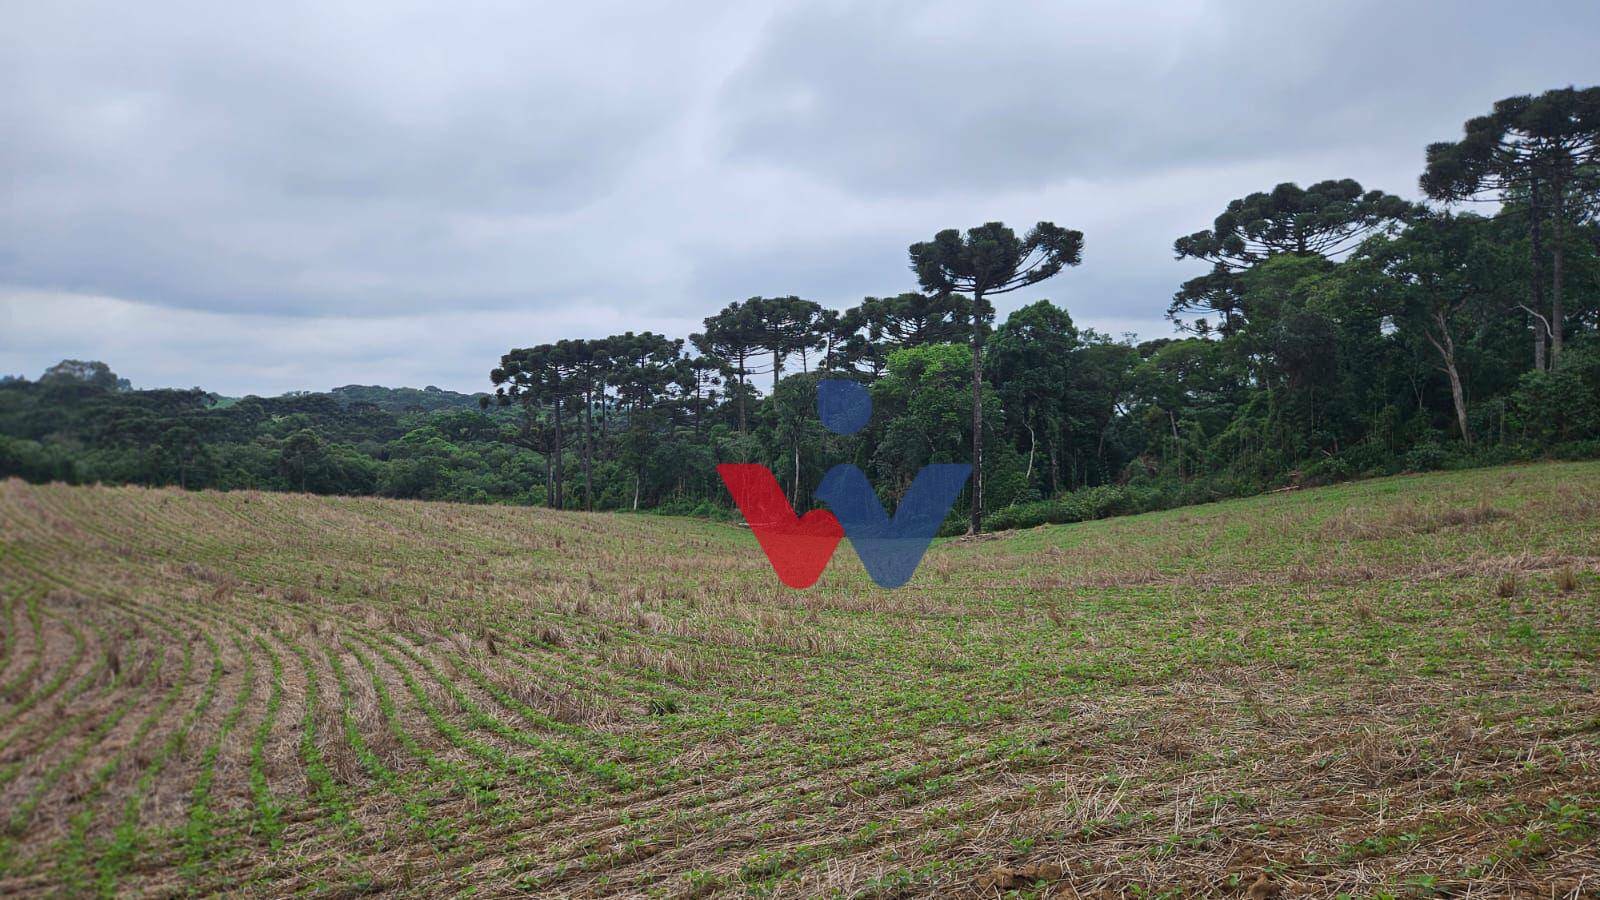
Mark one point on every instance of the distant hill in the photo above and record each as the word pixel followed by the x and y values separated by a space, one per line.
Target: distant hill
pixel 390 400
pixel 94 373
pixel 404 399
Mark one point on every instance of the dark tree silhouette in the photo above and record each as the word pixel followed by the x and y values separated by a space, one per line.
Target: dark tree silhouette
pixel 989 260
pixel 733 337
pixel 1538 148
pixel 535 376
pixel 1328 219
pixel 787 326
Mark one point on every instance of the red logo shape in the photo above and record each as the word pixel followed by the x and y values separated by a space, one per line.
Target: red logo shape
pixel 798 547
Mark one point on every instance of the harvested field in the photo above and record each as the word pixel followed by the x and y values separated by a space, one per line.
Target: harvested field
pixel 1383 688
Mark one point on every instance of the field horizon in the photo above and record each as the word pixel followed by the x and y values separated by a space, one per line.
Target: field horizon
pixel 1378 688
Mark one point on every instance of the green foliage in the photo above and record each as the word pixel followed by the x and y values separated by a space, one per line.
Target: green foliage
pixel 404 400
pixel 1078 506
pixel 1563 405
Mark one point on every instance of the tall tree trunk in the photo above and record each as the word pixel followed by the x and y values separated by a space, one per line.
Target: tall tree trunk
pixel 549 474
pixel 1177 442
pixel 1558 257
pixel 1536 255
pixel 588 449
pixel 976 524
pixel 1100 445
pixel 560 498
pixel 1055 469
pixel 1032 442
pixel 1447 355
pixel 1458 398
pixel 741 388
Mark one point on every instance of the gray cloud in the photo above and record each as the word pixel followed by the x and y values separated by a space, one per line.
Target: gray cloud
pixel 910 97
pixel 298 195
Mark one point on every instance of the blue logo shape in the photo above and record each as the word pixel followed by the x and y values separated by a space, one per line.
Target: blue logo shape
pixel 844 406
pixel 890 549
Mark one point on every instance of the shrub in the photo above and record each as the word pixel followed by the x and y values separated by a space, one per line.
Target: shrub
pixel 1328 471
pixel 1425 457
pixel 1576 450
pixel 1077 506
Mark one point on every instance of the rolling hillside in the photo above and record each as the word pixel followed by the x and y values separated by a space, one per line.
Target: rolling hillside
pixel 1387 686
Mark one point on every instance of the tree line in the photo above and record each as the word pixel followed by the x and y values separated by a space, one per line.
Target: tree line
pixel 1338 331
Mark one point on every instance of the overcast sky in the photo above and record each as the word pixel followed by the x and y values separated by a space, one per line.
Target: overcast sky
pixel 299 195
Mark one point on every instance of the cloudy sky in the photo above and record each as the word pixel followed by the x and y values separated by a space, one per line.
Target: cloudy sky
pixel 298 195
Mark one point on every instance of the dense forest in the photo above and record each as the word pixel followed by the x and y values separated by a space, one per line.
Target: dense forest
pixel 1339 332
